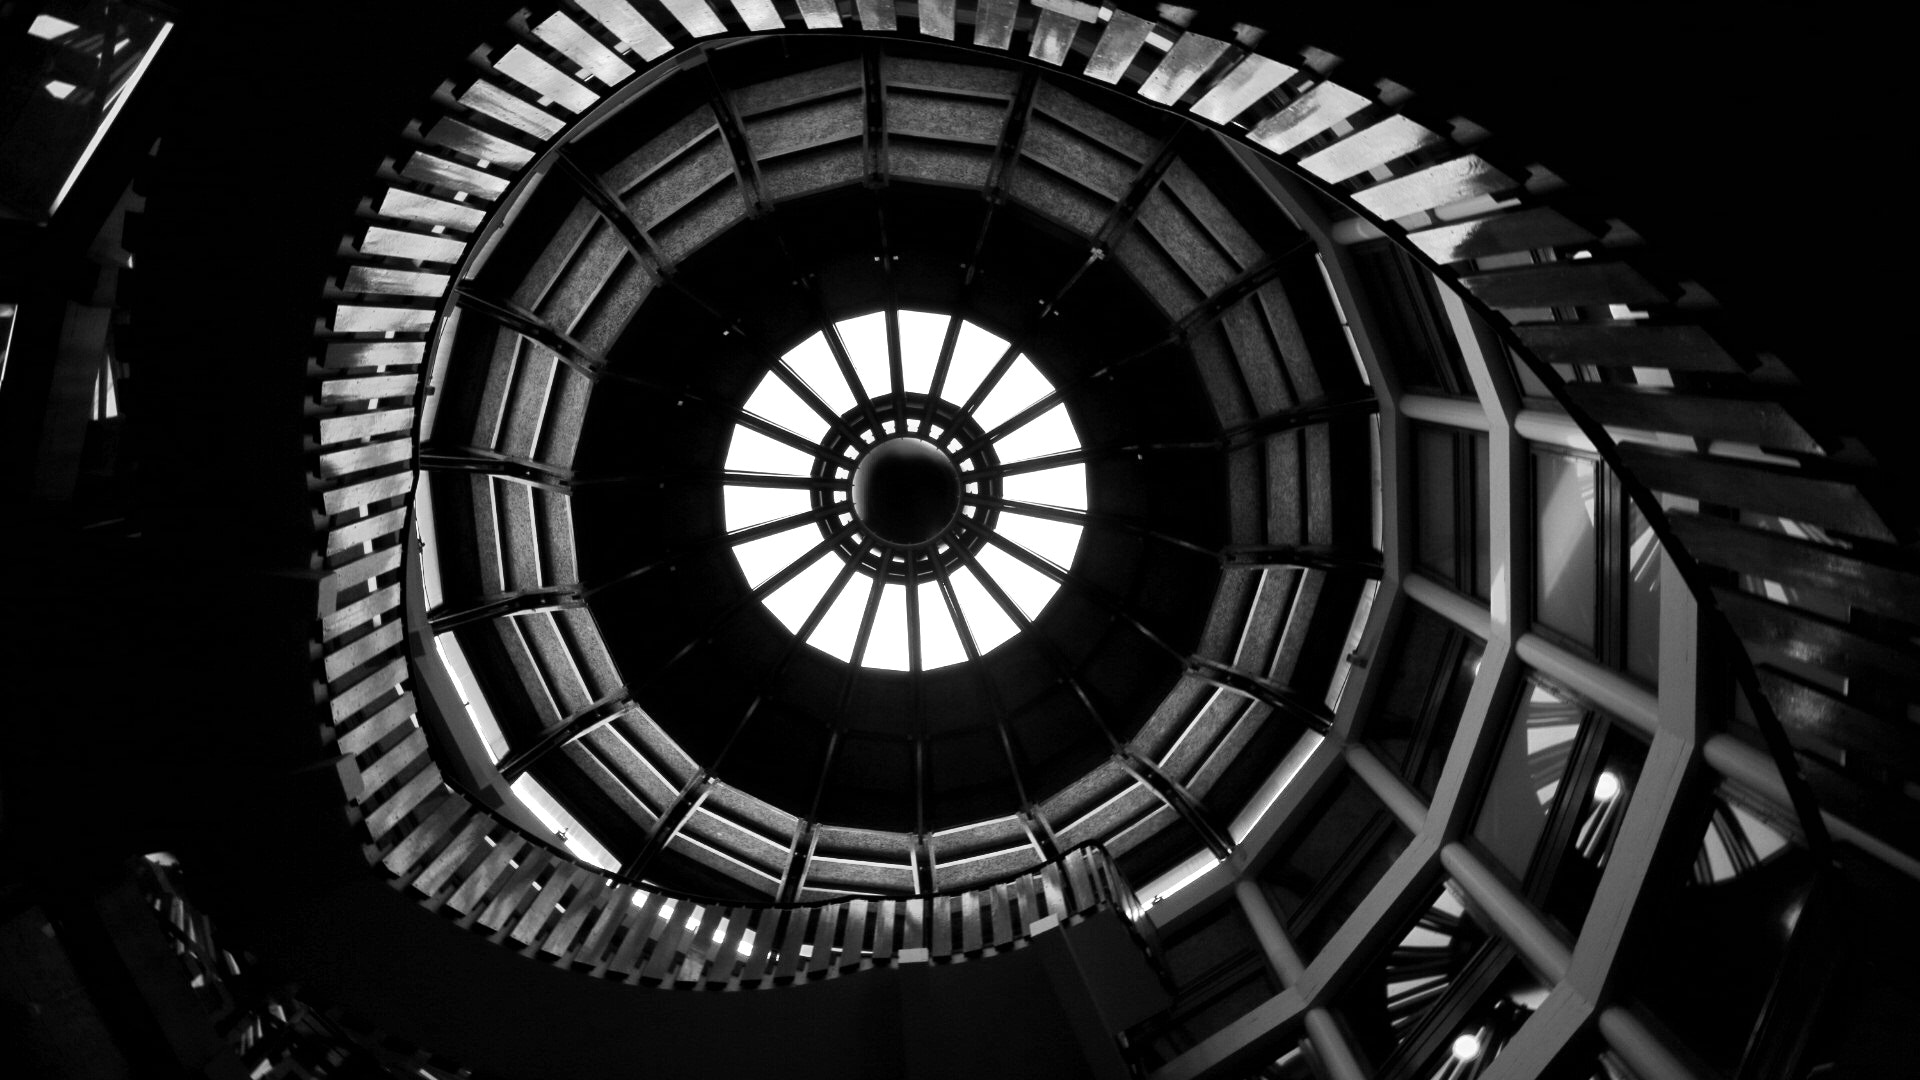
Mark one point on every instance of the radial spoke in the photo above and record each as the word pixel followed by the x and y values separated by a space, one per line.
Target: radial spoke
pixel 913 622
pixel 1083 455
pixel 987 581
pixel 736 413
pixel 940 369
pixel 844 361
pixel 987 384
pixel 740 537
pixel 896 369
pixel 866 619
pixel 1065 578
pixel 793 381
pixel 1086 518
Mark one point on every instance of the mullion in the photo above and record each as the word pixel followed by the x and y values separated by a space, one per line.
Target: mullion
pixel 913 618
pixel 792 521
pixel 896 369
pixel 866 620
pixel 952 600
pixel 1017 421
pixel 1082 456
pixel 1083 518
pixel 786 374
pixel 844 361
pixel 987 386
pixel 1065 577
pixel 987 582
pixel 940 368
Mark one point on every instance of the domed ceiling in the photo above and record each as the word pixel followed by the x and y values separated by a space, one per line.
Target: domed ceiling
pixel 679 536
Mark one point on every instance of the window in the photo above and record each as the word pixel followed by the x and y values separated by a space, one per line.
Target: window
pixel 1553 805
pixel 1432 669
pixel 1410 325
pixel 1452 520
pixel 1596 565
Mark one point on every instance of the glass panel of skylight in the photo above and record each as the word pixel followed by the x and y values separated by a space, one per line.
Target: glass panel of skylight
pixel 974 353
pixel 793 602
pixel 747 506
pixel 866 342
pixel 841 627
pixel 921 335
pixel 774 400
pixel 1054 541
pixel 887 645
pixel 1028 588
pixel 761 559
pixel 813 361
pixel 750 451
pixel 1049 433
pixel 986 620
pixel 1020 387
pixel 939 638
pixel 1065 486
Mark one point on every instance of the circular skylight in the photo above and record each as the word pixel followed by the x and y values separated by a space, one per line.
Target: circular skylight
pixel 903 490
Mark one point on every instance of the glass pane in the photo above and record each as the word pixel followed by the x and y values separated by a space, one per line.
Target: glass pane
pixel 1020 387
pixel 840 627
pixel 1049 433
pixel 974 353
pixel 1643 597
pixel 1526 776
pixel 887 644
pixel 750 451
pixel 1566 560
pixel 813 361
pixel 793 602
pixel 1481 553
pixel 1028 588
pixel 1054 541
pixel 774 400
pixel 921 335
pixel 986 620
pixel 748 506
pixel 763 558
pixel 1587 837
pixel 866 342
pixel 939 638
pixel 1418 712
pixel 1434 501
pixel 1065 486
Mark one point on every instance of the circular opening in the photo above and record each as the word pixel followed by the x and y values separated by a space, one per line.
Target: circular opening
pixel 904 498
pixel 906 490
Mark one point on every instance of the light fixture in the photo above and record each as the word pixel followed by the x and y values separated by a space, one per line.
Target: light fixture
pixel 1467 1046
pixel 60 88
pixel 51 27
pixel 1606 788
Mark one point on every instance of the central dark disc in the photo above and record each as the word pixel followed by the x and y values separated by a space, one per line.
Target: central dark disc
pixel 906 491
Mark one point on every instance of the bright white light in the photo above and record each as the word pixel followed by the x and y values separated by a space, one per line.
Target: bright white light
pixel 866 342
pixel 1054 541
pixel 838 631
pixel 774 400
pixel 1466 1047
pixel 60 88
pixel 1028 588
pixel 887 643
pixel 750 451
pixel 986 620
pixel 1607 787
pixel 1049 433
pixel 794 601
pixel 921 335
pixel 1064 486
pixel 761 559
pixel 1020 387
pixel 813 361
pixel 748 506
pixel 939 638
pixel 49 27
pixel 974 353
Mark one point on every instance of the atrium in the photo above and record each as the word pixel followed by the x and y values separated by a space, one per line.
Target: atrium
pixel 969 537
